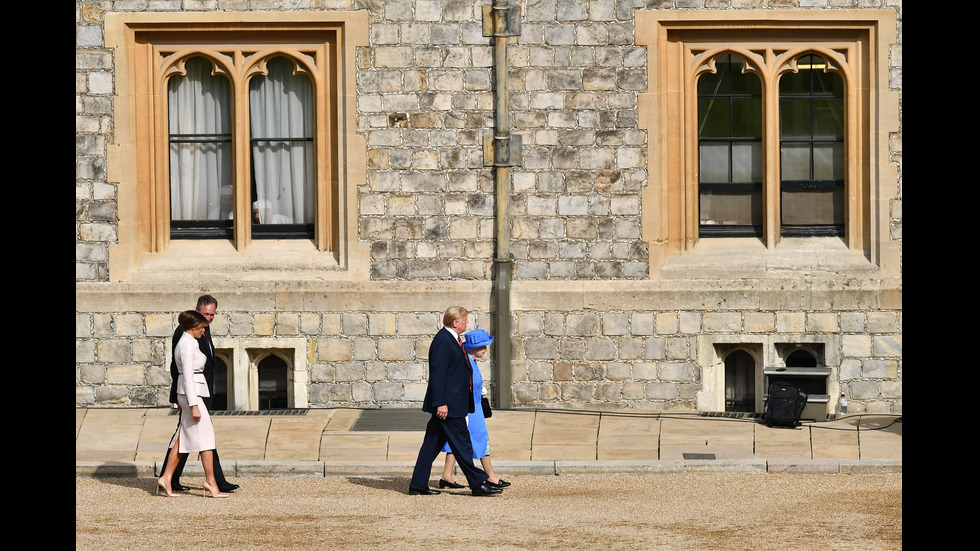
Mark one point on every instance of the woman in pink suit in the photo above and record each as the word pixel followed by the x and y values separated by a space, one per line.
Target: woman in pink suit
pixel 196 432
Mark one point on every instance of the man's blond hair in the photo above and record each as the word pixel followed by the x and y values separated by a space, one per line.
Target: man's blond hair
pixel 452 314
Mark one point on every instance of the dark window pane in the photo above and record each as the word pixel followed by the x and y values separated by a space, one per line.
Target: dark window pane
pixel 714 118
pixel 717 82
pixel 743 83
pixel 826 82
pixel 730 151
pixel 794 117
pixel 746 117
pixel 828 118
pixel 801 358
pixel 272 383
pixel 812 153
pixel 739 382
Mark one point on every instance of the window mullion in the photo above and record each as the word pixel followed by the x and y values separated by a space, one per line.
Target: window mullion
pixel 242 179
pixel 770 160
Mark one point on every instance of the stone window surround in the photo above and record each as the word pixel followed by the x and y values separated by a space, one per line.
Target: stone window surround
pixel 768 352
pixel 138 164
pixel 242 357
pixel 681 44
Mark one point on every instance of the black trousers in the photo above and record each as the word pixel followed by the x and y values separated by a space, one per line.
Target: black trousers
pixel 437 433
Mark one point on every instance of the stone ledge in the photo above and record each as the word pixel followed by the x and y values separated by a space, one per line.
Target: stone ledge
pixel 373 468
pixel 150 469
pixel 871 466
pixel 115 469
pixel 280 468
pixel 737 466
pixel 803 466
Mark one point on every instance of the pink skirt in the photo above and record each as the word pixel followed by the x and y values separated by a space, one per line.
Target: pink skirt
pixel 195 435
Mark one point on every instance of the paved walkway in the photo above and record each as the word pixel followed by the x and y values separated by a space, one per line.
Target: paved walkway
pixel 324 442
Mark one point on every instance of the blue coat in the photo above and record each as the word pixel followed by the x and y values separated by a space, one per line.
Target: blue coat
pixel 476 423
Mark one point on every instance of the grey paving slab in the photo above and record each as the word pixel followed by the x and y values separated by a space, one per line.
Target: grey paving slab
pixel 404 446
pixel 109 434
pixel 351 446
pixel 561 436
pixel 880 437
pixel 510 435
pixel 295 438
pixel 624 437
pixel 834 440
pixel 242 438
pixel 717 438
pixel 782 443
pixel 154 440
pixel 342 419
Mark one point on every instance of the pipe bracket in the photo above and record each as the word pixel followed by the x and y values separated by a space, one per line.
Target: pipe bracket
pixel 501 20
pixel 502 150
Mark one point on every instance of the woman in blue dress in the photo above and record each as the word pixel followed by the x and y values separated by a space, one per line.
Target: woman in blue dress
pixel 476 344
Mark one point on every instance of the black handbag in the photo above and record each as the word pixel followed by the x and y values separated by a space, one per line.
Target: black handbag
pixel 487 412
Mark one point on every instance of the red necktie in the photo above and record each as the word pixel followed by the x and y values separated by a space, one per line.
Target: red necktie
pixel 467 358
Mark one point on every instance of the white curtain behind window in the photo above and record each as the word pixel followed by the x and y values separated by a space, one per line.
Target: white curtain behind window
pixel 200 150
pixel 281 114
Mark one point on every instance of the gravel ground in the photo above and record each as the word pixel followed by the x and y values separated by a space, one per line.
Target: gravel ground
pixel 644 512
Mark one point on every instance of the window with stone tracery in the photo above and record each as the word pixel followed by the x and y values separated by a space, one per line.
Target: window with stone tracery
pixel 768 129
pixel 236 130
pixel 811 161
pixel 281 152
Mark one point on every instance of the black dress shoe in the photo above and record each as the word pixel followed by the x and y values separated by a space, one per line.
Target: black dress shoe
pixel 178 487
pixel 445 484
pixel 423 492
pixel 229 487
pixel 501 483
pixel 486 490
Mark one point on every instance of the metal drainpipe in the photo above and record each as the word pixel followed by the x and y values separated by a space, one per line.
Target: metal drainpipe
pixel 502 151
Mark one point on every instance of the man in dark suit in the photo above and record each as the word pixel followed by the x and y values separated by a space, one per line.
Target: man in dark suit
pixel 206 306
pixel 449 397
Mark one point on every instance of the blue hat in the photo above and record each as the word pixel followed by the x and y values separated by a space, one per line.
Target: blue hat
pixel 478 338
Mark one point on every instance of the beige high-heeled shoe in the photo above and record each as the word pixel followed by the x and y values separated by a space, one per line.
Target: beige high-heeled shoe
pixel 166 492
pixel 211 492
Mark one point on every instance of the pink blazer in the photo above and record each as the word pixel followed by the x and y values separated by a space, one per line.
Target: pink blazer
pixel 190 363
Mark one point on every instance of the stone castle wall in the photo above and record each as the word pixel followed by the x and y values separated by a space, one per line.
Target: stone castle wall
pixel 594 325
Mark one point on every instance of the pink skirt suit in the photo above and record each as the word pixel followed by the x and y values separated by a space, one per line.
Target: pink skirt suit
pixel 195 435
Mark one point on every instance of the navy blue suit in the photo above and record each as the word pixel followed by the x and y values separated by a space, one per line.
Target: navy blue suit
pixel 450 384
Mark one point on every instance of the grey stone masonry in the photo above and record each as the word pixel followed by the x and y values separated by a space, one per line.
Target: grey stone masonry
pixel 631 356
pixel 425 103
pixel 593 325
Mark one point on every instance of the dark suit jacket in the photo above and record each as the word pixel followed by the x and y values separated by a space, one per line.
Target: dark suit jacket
pixel 205 344
pixel 450 377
